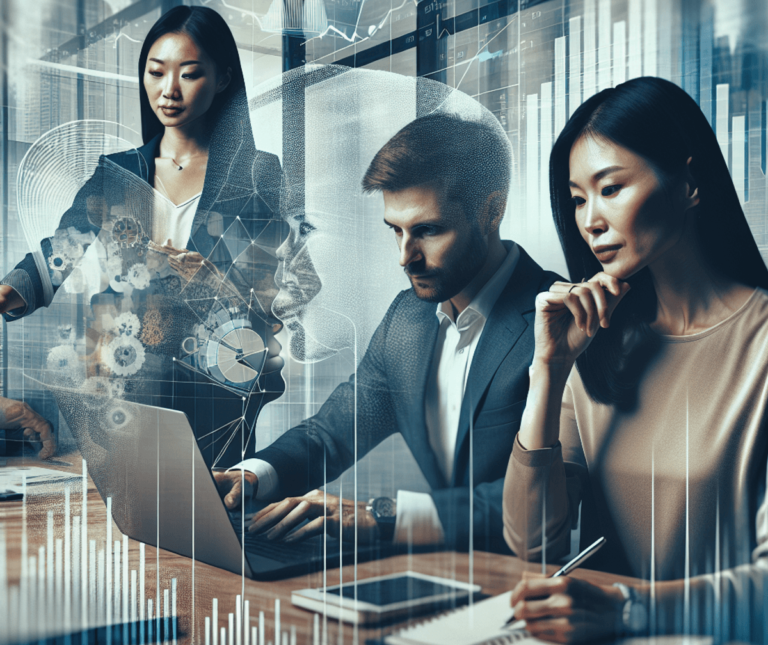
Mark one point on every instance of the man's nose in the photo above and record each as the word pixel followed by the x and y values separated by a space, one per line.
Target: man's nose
pixel 409 250
pixel 283 250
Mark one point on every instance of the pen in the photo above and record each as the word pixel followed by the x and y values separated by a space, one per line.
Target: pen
pixel 567 568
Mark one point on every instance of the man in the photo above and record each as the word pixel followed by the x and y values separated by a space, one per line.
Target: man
pixel 452 381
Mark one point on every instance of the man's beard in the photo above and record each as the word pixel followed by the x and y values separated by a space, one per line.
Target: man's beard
pixel 444 283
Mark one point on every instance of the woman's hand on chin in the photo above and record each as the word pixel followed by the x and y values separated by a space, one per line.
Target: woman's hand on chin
pixel 567 610
pixel 569 315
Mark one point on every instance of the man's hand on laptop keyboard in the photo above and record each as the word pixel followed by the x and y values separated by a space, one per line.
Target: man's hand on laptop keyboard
pixel 233 485
pixel 277 520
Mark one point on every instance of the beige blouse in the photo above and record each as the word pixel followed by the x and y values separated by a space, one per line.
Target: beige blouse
pixel 676 483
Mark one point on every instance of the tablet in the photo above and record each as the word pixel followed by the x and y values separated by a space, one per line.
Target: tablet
pixel 385 597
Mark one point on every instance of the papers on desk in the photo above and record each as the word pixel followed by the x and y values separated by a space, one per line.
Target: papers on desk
pixel 11 479
pixel 475 625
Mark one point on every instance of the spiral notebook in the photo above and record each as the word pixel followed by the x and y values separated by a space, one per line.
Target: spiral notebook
pixel 477 625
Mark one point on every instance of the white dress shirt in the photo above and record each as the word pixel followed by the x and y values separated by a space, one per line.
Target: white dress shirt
pixel 177 226
pixel 417 519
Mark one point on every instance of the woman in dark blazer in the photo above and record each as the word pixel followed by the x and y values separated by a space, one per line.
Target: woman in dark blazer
pixel 190 268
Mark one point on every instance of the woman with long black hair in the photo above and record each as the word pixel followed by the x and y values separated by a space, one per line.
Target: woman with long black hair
pixel 657 440
pixel 214 194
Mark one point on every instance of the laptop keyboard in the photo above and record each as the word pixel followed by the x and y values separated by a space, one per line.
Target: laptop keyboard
pixel 309 549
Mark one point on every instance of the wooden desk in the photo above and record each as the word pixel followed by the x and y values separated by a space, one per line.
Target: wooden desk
pixel 198 584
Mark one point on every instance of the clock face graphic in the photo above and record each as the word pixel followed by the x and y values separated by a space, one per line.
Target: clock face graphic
pixel 235 354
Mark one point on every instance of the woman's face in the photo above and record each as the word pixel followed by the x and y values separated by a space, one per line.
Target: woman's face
pixel 623 212
pixel 181 80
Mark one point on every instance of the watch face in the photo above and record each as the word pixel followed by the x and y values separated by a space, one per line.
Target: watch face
pixel 383 507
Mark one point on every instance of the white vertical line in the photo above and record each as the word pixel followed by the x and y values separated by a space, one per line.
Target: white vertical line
pixel 166 623
pixel 238 620
pixel 546 148
pixel 207 629
pixel 59 582
pixel 738 153
pixel 126 616
pixel 247 622
pixel 604 48
pixel 574 64
pixel 67 560
pixel 277 617
pixel 721 119
pixel 174 617
pixel 223 636
pixel 650 41
pixel 42 604
pixel 108 566
pixel 254 636
pixel 262 629
pixel 84 552
pixel 635 39
pixel 24 605
pixel 134 593
pixel 231 628
pixel 76 576
pixel 142 573
pixel 316 630
pixel 215 620
pixel 101 597
pixel 590 64
pixel 559 85
pixel 92 616
pixel 49 595
pixel 118 617
pixel 149 621
pixel 532 157
pixel 32 593
pixel 619 52
pixel 293 634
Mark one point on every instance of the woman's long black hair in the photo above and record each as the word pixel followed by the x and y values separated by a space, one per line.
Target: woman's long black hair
pixel 660 122
pixel 211 33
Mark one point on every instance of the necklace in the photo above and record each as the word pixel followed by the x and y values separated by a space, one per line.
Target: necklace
pixel 179 167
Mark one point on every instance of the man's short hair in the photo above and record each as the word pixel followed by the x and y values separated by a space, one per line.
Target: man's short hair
pixel 468 160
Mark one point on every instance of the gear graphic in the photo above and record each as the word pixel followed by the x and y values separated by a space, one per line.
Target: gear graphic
pixel 124 356
pixel 127 324
pixel 57 262
pixel 127 231
pixel 64 359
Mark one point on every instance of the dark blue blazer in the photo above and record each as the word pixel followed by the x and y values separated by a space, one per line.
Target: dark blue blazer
pixel 391 384
pixel 241 182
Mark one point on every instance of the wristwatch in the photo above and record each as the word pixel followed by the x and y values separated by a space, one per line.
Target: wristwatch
pixel 383 510
pixel 634 615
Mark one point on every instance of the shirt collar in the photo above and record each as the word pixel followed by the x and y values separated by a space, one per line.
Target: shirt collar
pixel 481 305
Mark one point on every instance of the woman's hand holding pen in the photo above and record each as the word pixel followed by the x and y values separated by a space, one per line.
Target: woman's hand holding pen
pixel 569 315
pixel 568 610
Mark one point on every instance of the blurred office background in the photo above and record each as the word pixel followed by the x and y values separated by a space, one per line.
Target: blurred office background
pixel 530 62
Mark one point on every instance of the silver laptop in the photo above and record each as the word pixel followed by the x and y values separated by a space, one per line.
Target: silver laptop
pixel 148 461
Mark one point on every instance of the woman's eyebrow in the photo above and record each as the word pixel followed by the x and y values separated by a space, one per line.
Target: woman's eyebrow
pixel 598 175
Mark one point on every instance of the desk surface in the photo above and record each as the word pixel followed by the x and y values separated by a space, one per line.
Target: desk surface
pixel 198 584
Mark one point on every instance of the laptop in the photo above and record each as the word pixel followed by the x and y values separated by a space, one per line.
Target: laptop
pixel 148 461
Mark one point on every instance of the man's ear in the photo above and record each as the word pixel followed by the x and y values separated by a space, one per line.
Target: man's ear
pixel 692 198
pixel 224 81
pixel 493 211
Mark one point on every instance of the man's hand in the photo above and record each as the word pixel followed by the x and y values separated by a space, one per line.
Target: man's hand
pixel 233 485
pixel 9 299
pixel 323 511
pixel 20 415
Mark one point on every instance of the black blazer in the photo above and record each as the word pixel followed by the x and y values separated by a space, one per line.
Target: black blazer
pixel 391 384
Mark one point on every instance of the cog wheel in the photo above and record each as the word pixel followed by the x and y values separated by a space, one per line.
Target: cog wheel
pixel 127 324
pixel 124 356
pixel 127 231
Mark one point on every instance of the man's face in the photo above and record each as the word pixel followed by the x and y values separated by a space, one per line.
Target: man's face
pixel 441 249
